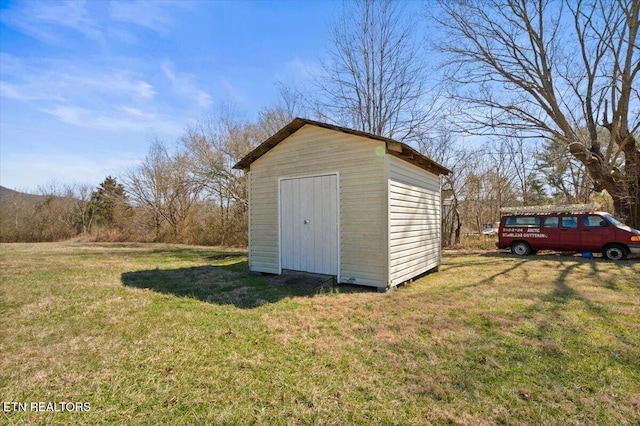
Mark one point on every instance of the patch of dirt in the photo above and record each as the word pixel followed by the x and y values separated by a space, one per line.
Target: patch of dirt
pixel 301 280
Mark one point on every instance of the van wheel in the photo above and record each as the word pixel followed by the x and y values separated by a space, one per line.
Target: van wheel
pixel 520 248
pixel 614 252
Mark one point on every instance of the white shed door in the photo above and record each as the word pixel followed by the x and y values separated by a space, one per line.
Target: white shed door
pixel 309 224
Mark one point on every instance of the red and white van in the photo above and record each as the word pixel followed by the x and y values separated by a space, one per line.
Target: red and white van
pixel 572 228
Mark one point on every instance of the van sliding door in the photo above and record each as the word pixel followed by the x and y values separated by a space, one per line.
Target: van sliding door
pixel 569 233
pixel 551 230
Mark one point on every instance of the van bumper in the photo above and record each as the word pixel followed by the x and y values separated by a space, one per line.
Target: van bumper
pixel 635 249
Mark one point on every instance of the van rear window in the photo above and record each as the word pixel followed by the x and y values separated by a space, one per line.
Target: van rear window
pixel 522 221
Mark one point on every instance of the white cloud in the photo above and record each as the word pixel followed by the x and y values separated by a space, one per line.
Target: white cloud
pixel 121 35
pixel 89 83
pixel 41 20
pixel 24 93
pixel 183 84
pixel 301 70
pixel 152 15
pixel 57 80
pixel 168 72
pixel 123 82
pixel 83 94
pixel 87 95
pixel 231 91
pixel 137 112
pixel 120 119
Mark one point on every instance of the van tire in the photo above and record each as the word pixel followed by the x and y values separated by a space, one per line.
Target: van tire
pixel 520 248
pixel 614 252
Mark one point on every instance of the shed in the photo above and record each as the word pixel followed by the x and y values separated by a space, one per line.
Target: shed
pixel 331 200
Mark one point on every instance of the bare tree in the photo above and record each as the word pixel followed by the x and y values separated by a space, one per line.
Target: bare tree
pixel 549 69
pixel 486 187
pixel 499 177
pixel 213 146
pixel 53 215
pixel 80 197
pixel 374 78
pixel 291 104
pixel 163 185
pixel 443 147
pixel 564 174
pixel 522 162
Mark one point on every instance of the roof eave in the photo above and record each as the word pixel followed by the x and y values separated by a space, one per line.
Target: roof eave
pixel 414 157
pixel 266 146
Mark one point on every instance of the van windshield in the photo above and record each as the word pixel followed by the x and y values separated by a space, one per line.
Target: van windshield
pixel 613 220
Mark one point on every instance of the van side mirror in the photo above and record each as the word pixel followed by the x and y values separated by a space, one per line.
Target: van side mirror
pixel 603 224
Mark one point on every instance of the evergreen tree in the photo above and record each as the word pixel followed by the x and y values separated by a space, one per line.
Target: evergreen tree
pixel 109 202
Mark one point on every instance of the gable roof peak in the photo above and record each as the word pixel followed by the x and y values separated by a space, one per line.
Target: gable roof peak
pixel 393 147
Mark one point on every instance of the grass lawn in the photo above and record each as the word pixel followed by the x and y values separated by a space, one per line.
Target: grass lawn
pixel 163 334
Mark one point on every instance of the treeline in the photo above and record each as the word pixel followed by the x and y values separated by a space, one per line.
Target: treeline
pixel 187 192
pixel 506 172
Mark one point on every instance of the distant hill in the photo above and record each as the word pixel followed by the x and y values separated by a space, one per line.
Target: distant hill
pixel 31 218
pixel 8 195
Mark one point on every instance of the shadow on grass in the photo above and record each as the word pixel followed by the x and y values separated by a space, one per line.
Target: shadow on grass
pixel 564 263
pixel 228 284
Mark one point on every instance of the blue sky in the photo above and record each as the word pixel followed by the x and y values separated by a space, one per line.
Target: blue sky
pixel 86 85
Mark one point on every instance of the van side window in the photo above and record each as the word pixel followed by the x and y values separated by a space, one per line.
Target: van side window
pixel 551 222
pixel 594 221
pixel 522 222
pixel 569 221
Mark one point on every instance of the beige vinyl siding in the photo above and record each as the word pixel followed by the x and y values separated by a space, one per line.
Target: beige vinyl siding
pixel 414 221
pixel 362 198
pixel 263 224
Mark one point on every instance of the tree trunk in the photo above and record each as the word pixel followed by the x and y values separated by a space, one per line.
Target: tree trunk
pixel 623 187
pixel 626 200
pixel 458 227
